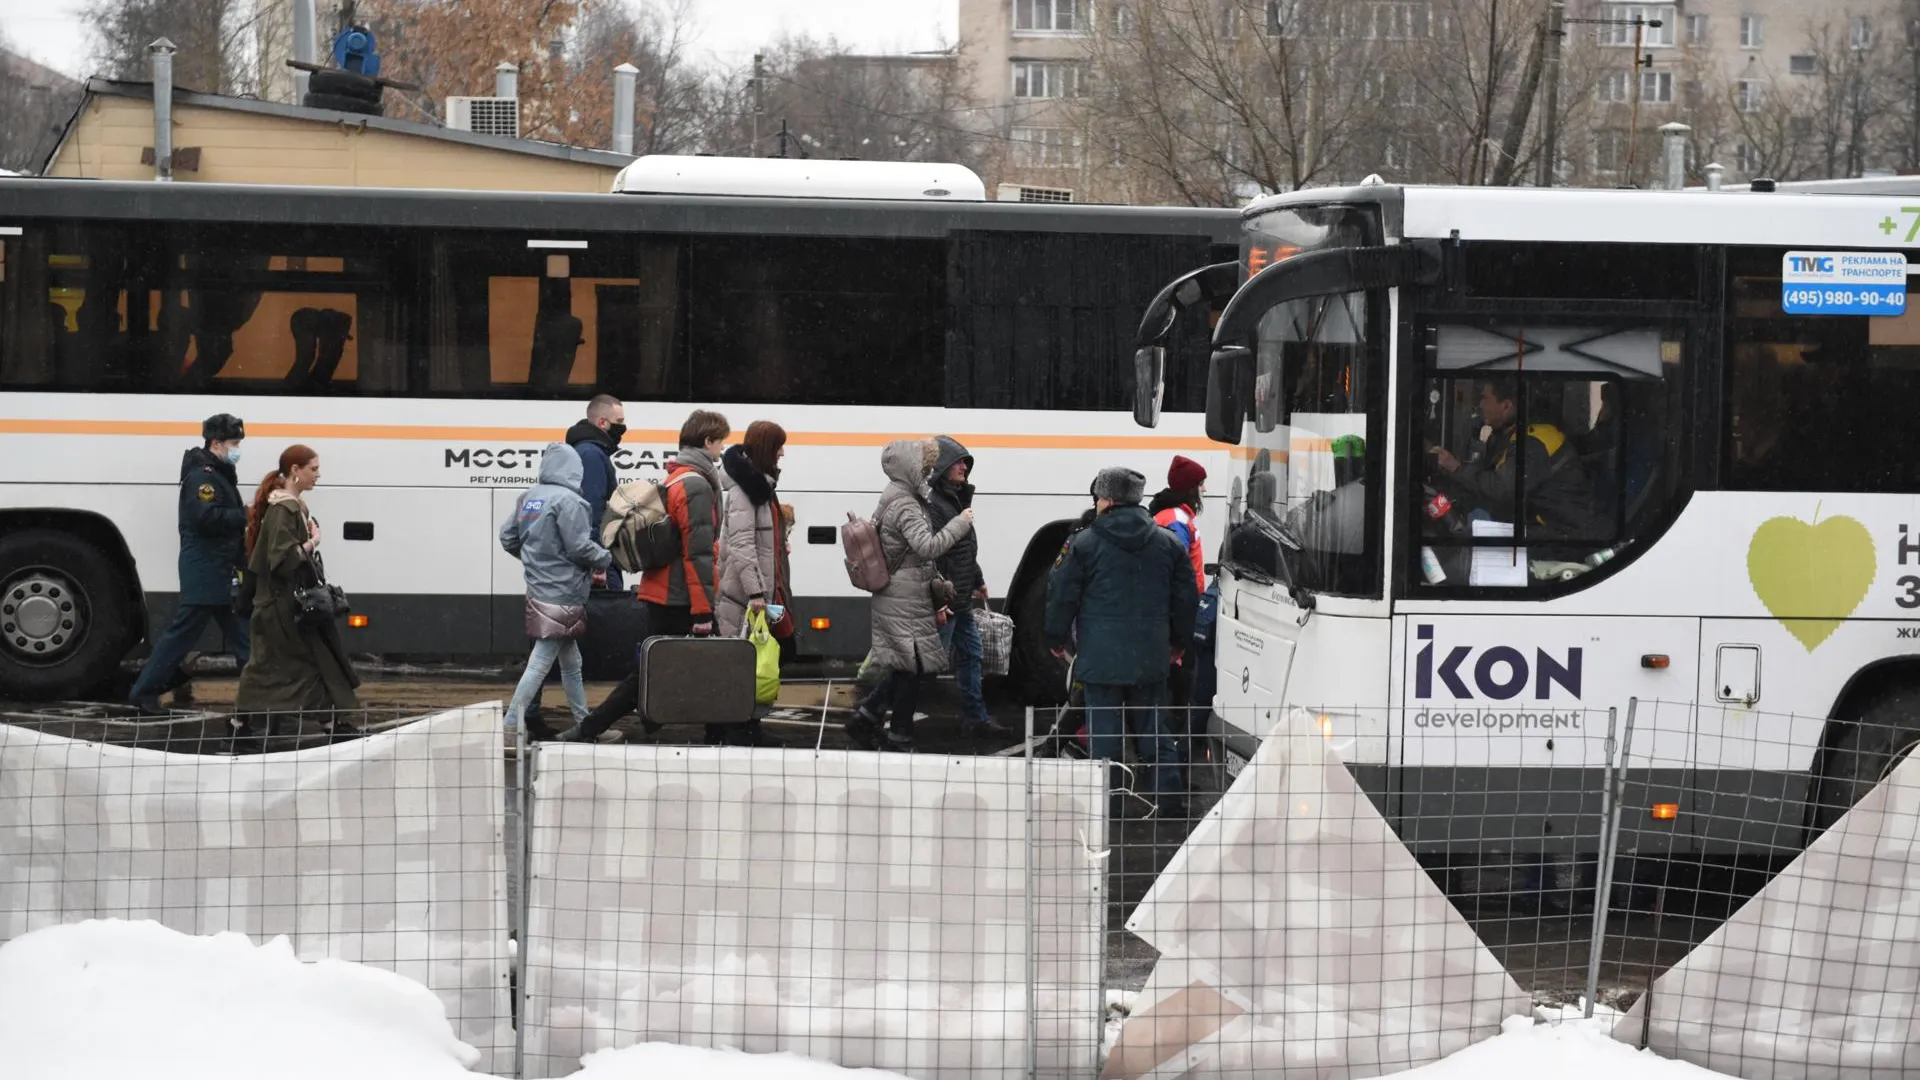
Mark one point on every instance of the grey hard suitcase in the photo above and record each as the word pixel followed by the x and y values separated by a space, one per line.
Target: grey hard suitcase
pixel 697 680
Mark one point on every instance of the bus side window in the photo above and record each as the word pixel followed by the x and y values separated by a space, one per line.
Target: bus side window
pixel 1816 403
pixel 555 317
pixel 293 310
pixel 817 320
pixel 1546 449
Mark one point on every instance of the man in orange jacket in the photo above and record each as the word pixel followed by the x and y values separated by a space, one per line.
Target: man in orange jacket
pixel 679 596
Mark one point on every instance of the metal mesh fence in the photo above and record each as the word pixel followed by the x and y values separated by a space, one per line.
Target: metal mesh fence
pixel 1137 889
pixel 1764 897
pixel 937 916
pixel 384 848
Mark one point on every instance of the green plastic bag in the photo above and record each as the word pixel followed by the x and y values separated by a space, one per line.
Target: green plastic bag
pixel 766 659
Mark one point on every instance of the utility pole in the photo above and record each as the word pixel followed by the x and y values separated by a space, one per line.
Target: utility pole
pixel 783 136
pixel 1556 31
pixel 1550 149
pixel 1486 102
pixel 759 101
pixel 1633 117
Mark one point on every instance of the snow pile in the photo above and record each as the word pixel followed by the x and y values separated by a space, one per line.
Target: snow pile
pixel 1571 1050
pixel 111 1000
pixel 665 1061
pixel 935 1030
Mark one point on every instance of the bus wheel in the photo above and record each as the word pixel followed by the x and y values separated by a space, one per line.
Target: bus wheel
pixel 1039 677
pixel 62 615
pixel 1861 751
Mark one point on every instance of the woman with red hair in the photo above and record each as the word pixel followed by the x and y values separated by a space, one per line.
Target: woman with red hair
pixel 297 668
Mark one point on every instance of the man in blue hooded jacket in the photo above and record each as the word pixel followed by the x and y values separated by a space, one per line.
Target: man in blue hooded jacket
pixel 1128 584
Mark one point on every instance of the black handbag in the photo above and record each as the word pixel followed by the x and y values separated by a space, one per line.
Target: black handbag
pixel 319 604
pixel 241 593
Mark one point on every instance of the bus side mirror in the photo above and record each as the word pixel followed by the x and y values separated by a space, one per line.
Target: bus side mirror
pixel 1229 381
pixel 1149 375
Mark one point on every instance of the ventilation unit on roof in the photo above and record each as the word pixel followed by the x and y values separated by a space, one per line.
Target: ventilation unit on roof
pixel 485 115
pixel 1028 193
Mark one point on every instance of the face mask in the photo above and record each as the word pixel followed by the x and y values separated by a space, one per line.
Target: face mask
pixel 233 455
pixel 615 431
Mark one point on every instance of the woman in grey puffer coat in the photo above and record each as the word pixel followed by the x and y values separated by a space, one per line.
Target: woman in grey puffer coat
pixel 906 633
pixel 549 532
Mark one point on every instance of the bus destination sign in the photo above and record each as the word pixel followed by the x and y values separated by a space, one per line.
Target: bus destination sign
pixel 1843 283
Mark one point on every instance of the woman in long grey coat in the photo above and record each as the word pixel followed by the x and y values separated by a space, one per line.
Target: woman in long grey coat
pixel 906 633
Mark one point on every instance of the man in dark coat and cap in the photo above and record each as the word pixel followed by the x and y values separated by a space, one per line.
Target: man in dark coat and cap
pixel 952 493
pixel 213 535
pixel 1128 586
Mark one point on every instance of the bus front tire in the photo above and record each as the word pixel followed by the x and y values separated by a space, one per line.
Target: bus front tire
pixel 63 616
pixel 1039 677
pixel 1861 750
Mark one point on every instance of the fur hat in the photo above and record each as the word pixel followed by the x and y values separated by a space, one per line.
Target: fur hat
pixel 1122 485
pixel 1185 474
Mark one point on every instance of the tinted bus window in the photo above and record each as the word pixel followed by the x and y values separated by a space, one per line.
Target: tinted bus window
pixel 1816 403
pixel 555 317
pixel 817 320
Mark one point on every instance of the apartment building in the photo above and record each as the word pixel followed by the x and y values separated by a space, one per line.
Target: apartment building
pixel 1027 71
pixel 1753 78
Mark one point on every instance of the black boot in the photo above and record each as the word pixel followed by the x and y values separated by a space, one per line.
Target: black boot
pixel 863 730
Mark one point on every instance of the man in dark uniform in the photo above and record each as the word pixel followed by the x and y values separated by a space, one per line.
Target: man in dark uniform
pixel 213 533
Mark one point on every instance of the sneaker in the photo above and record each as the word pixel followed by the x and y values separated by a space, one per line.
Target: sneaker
pixel 899 744
pixel 149 706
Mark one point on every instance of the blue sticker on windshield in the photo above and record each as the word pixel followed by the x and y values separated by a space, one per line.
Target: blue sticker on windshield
pixel 1843 283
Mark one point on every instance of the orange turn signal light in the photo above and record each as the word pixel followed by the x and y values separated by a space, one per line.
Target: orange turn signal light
pixel 358 622
pixel 1656 661
pixel 1666 811
pixel 820 624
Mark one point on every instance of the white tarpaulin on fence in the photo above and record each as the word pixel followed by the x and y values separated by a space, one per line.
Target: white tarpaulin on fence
pixel 1817 976
pixel 864 909
pixel 386 850
pixel 1298 937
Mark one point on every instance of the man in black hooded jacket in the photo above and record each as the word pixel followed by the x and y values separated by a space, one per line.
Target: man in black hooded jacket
pixel 952 493
pixel 596 438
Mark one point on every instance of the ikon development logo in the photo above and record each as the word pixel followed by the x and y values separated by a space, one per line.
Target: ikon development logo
pixel 1494 673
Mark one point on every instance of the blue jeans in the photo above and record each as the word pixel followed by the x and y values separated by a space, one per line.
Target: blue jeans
pixel 1114 710
pixel 1200 657
pixel 188 624
pixel 961 636
pixel 539 662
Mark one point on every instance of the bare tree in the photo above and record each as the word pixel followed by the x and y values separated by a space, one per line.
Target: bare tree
pixel 37 103
pixel 1457 86
pixel 451 48
pixel 1209 100
pixel 839 104
pixel 214 39
pixel 669 92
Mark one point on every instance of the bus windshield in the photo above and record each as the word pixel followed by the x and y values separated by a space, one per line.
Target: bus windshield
pixel 1308 516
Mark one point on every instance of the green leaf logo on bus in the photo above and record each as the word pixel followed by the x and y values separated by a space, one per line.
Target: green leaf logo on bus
pixel 1811 575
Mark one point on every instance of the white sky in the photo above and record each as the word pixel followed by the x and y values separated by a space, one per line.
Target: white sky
pixel 53 32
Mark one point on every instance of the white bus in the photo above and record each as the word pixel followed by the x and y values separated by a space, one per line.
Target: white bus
pixel 429 344
pixel 1725 386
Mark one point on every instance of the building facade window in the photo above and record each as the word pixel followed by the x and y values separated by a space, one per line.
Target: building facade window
pixel 1622 20
pixel 1747 95
pixel 1803 65
pixel 1047 16
pixel 1034 79
pixel 1747 159
pixel 1860 33
pixel 1046 147
pixel 1753 32
pixel 1696 29
pixel 1610 151
pixel 1400 22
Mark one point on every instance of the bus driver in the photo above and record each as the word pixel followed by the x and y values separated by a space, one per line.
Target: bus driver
pixel 1559 500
